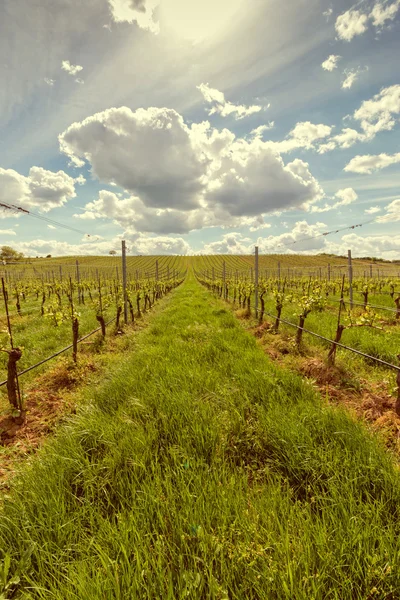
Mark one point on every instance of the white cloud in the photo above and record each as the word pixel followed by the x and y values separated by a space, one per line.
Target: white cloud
pixel 231 243
pixel 384 246
pixel 392 213
pixel 383 12
pixel 7 232
pixel 41 188
pixel 346 196
pixel 149 152
pixel 350 24
pixel 377 114
pixel 258 132
pixel 331 62
pixel 140 12
pixel 303 135
pixel 49 81
pixel 354 22
pixel 372 211
pixel 71 69
pixel 351 76
pixel 373 115
pixel 80 180
pixel 328 13
pixel 369 163
pixel 51 227
pixel 257 182
pixel 137 244
pixel 295 241
pixel 222 107
pixel 178 178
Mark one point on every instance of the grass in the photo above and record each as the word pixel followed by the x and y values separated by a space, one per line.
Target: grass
pixel 198 469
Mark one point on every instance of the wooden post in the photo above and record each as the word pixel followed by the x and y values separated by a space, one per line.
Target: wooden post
pixel 156 270
pixel 279 270
pixel 256 280
pixel 124 282
pixel 329 272
pixel 350 279
pixel 78 279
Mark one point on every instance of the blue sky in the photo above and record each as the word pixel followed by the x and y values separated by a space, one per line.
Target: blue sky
pixel 203 126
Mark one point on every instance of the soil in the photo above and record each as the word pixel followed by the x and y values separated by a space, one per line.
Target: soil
pixel 366 400
pixel 46 403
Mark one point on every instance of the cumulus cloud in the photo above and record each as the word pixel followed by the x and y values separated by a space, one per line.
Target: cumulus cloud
pixel 259 182
pixel 295 241
pixel 230 243
pixel 147 152
pixel 351 76
pixel 331 62
pixel 347 138
pixel 383 12
pixel 346 196
pixel 180 178
pixel 385 246
pixel 49 81
pixel 303 135
pixel 354 22
pixel 41 188
pixel 375 115
pixel 369 163
pixel 137 244
pixel 350 24
pixel 222 107
pixel 140 12
pixel 392 213
pixel 258 132
pixel 7 232
pixel 71 69
pixel 372 211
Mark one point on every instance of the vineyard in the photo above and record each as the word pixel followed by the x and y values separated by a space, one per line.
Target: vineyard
pixel 361 312
pixel 52 307
pixel 193 465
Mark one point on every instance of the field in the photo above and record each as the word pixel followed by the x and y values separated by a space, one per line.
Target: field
pixel 200 459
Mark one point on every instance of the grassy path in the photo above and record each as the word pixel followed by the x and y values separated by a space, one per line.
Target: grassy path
pixel 199 470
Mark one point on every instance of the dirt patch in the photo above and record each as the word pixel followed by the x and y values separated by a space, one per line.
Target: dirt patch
pixel 323 374
pixel 48 400
pixel 261 329
pixel 366 400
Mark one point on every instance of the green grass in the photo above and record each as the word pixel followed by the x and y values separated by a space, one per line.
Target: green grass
pixel 197 470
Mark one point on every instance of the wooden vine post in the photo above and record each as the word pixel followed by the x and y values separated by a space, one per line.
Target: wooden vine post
pixel 398 389
pixel 339 330
pixel 75 325
pixel 14 355
pixel 124 282
pixel 256 280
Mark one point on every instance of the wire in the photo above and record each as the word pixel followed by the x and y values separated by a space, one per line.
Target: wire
pixel 325 233
pixel 19 209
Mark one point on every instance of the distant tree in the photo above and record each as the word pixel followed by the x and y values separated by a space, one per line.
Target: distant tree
pixel 112 252
pixel 48 256
pixel 8 254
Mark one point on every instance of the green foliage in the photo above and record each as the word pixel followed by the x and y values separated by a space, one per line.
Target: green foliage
pixel 8 254
pixel 198 469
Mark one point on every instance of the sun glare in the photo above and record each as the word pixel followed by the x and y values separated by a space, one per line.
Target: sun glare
pixel 196 20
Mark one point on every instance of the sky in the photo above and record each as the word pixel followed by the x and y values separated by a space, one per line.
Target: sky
pixel 200 127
